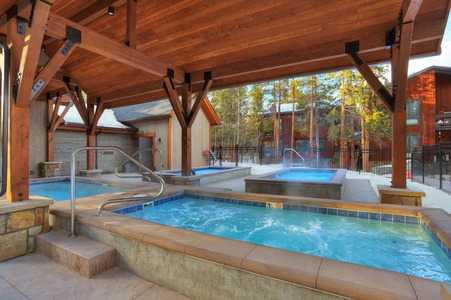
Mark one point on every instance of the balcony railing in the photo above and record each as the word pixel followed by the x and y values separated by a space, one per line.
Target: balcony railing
pixel 443 121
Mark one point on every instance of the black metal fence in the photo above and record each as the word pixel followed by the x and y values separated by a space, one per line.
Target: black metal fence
pixel 363 161
pixel 431 165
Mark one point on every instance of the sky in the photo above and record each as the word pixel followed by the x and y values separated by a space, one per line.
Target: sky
pixel 443 60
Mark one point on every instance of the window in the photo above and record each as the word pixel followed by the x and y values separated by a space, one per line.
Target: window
pixel 412 140
pixel 413 112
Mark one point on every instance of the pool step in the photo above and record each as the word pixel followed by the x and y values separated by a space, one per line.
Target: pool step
pixel 80 254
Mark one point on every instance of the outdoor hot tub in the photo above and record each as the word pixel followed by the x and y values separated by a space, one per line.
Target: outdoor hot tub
pixel 303 182
pixel 205 175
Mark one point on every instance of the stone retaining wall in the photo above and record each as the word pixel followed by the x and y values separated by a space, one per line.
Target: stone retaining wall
pixel 20 222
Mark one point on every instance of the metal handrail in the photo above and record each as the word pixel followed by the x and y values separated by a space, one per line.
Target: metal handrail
pixel 214 157
pixel 116 170
pixel 72 183
pixel 4 114
pixel 292 150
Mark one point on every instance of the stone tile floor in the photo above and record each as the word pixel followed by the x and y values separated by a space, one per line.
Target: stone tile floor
pixel 34 276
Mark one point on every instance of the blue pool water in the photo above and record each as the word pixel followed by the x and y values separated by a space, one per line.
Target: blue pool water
pixel 60 190
pixel 395 246
pixel 199 171
pixel 306 175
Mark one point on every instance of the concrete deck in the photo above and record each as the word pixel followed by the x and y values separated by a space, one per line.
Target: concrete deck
pixel 34 276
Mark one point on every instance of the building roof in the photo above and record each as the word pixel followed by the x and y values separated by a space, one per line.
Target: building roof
pixel 143 110
pixel 437 69
pixel 108 118
pixel 158 109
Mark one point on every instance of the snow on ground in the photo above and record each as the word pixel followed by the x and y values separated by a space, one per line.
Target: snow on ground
pixel 434 197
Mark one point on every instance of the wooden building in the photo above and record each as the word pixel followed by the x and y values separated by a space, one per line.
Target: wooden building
pixel 428 107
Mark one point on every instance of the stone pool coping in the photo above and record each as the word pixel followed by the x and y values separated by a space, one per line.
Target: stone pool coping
pixel 300 270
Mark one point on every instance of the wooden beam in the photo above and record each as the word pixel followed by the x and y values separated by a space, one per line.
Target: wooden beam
pixel 378 88
pixel 50 69
pixel 186 131
pixel 104 46
pixel 402 66
pixel 130 31
pixel 79 103
pixel 17 183
pixel 409 10
pixel 31 52
pixel 199 101
pixel 60 118
pixel 175 101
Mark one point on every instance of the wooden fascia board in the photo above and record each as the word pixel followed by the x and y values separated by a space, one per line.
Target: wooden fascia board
pixel 31 52
pixel 130 29
pixel 148 119
pixel 77 101
pixel 210 113
pixel 104 46
pixel 378 88
pixel 52 66
pixel 104 129
pixel 175 101
pixel 199 101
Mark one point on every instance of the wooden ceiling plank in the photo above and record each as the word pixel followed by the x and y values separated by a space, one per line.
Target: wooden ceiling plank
pixel 175 101
pixel 31 52
pixel 50 69
pixel 130 30
pixel 104 46
pixel 94 11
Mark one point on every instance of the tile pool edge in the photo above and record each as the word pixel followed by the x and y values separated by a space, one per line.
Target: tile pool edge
pixel 316 273
pixel 263 184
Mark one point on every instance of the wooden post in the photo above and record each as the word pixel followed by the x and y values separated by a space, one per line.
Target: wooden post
pixel 399 146
pixel 186 130
pixel 18 139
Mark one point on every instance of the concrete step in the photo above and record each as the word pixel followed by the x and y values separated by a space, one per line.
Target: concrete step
pixel 80 254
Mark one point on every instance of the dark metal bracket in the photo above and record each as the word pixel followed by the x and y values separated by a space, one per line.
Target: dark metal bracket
pixel 21 26
pixel 73 34
pixel 67 48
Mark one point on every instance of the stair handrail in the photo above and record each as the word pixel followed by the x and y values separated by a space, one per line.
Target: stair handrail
pixel 295 152
pixel 73 183
pixel 214 157
pixel 116 170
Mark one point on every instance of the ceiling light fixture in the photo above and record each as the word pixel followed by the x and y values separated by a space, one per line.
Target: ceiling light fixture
pixel 111 10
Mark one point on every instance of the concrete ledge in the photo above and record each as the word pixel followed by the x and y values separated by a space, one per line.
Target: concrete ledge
pixel 408 196
pixel 96 173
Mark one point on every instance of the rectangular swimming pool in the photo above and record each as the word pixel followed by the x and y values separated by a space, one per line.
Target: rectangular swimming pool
pixel 392 242
pixel 60 190
pixel 303 182
pixel 205 175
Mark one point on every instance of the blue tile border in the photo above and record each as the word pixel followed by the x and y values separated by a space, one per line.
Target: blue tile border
pixel 385 217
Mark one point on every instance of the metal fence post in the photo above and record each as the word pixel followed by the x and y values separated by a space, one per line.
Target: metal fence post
pixel 220 155
pixel 440 165
pixel 236 155
pixel 422 164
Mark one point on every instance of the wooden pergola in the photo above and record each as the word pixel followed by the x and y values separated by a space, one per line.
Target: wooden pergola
pixel 123 52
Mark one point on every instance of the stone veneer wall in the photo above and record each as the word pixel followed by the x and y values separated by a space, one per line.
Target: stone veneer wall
pixel 20 222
